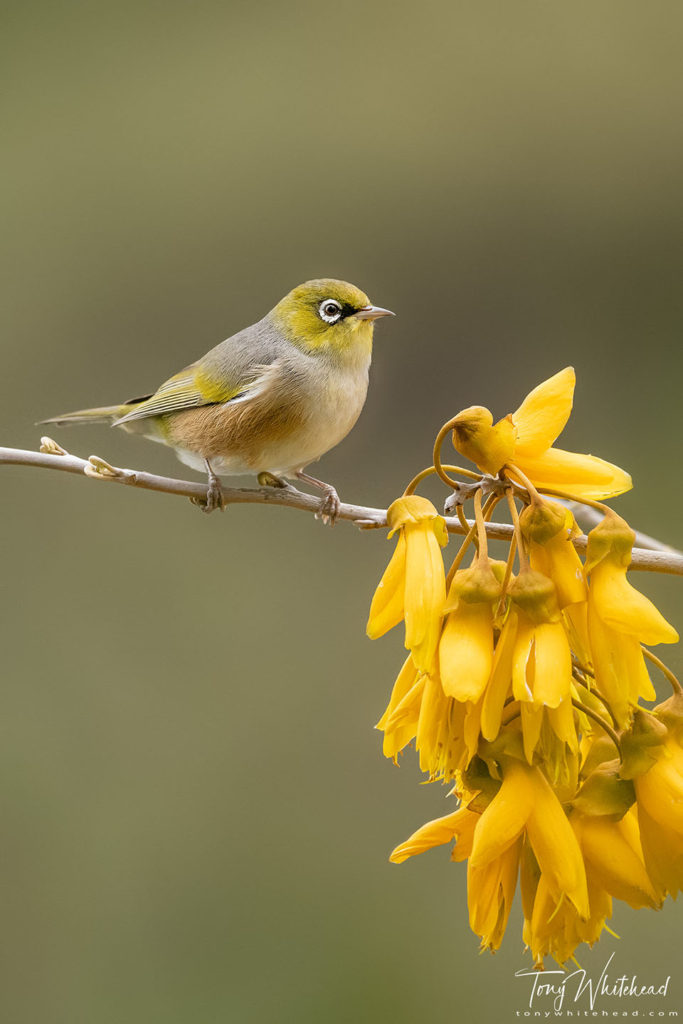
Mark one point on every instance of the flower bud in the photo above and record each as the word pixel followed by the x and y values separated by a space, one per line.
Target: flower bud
pixel 542 522
pixel 535 594
pixel 478 583
pixel 489 447
pixel 639 745
pixel 670 712
pixel 612 538
pixel 604 793
pixel 412 509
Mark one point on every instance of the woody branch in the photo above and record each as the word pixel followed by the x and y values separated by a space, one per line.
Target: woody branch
pixel 53 456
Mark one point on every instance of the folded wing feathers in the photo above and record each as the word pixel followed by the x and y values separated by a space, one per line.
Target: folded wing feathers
pixel 180 393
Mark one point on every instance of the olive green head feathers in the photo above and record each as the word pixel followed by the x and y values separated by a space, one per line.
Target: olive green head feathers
pixel 327 314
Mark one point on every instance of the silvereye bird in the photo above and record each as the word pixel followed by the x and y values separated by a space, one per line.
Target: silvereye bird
pixel 268 400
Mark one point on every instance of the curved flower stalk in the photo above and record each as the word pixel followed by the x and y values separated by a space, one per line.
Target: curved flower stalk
pixel 524 686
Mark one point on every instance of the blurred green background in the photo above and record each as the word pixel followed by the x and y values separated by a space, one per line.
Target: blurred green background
pixel 194 809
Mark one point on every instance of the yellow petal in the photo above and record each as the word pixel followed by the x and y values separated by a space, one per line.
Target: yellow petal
pixel 575 618
pixel 489 447
pixel 600 903
pixel 435 833
pixel 472 728
pixel 386 610
pixel 561 720
pixel 411 509
pixel 402 724
pixel 625 609
pixel 552 929
pixel 552 664
pixel 544 412
pixel 529 875
pixel 555 845
pixel 490 892
pixel 663 853
pixel 501 677
pixel 522 664
pixel 613 858
pixel 505 817
pixel 466 650
pixel 558 560
pixel 405 681
pixel 582 475
pixel 660 790
pixel 614 663
pixel 425 593
pixel 532 720
pixel 433 710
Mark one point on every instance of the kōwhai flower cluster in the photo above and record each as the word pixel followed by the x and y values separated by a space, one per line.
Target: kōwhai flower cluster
pixel 524 686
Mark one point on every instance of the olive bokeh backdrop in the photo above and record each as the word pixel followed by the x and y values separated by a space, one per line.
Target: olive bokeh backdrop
pixel 195 813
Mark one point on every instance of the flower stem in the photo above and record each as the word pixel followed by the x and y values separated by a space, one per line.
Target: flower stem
pixel 605 509
pixel 600 720
pixel 462 518
pixel 507 576
pixel 675 684
pixel 596 694
pixel 523 560
pixel 582 668
pixel 487 510
pixel 423 474
pixel 535 497
pixel 482 546
pixel 438 467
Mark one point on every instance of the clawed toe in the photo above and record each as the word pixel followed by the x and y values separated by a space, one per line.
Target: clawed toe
pixel 329 507
pixel 213 499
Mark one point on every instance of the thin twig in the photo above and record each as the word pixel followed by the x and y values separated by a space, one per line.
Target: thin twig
pixel 288 497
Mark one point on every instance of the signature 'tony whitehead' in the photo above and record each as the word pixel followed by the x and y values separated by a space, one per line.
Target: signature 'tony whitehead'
pixel 583 985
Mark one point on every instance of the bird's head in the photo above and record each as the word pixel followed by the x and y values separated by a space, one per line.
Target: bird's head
pixel 328 314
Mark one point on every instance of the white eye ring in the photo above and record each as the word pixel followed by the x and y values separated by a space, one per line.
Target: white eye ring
pixel 330 311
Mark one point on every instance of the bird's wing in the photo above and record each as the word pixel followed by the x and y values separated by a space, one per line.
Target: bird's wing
pixel 236 370
pixel 193 387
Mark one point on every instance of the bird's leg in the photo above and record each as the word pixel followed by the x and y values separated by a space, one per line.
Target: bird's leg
pixel 329 503
pixel 214 493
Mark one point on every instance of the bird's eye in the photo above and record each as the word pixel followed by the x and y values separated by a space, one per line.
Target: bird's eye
pixel 329 311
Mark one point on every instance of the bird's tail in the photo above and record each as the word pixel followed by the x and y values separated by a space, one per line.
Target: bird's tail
pixel 105 414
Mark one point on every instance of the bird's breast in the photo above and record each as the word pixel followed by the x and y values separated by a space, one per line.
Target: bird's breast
pixel 309 409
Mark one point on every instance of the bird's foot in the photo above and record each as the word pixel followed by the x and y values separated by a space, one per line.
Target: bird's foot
pixel 214 494
pixel 266 479
pixel 329 506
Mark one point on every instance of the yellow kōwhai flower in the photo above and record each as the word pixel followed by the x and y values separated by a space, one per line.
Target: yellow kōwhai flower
pixel 524 689
pixel 620 618
pixel 614 865
pixel 413 586
pixel 490 892
pixel 662 852
pixel 399 721
pixel 542 660
pixel 525 437
pixel 458 826
pixel 466 645
pixel 526 804
pixel 613 856
pixel 548 529
pixel 659 790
